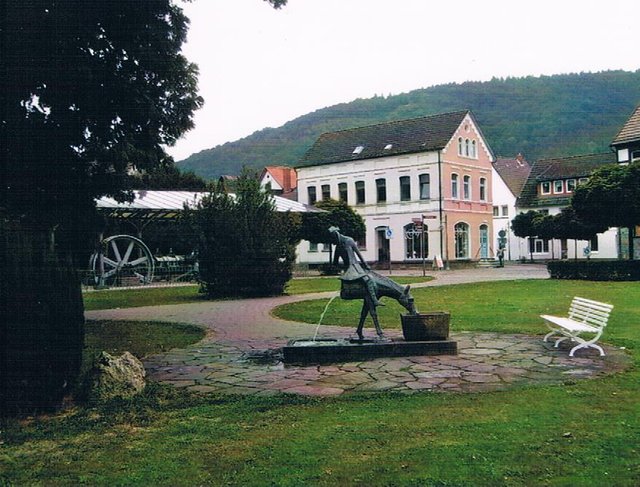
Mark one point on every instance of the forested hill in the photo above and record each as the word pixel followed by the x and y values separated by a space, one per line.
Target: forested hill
pixel 537 116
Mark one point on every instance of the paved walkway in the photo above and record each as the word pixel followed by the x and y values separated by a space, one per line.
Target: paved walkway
pixel 239 354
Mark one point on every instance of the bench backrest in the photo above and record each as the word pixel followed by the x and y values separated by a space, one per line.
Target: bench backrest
pixel 590 312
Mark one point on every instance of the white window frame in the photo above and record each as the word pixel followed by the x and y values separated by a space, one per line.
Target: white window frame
pixel 558 183
pixel 483 189
pixel 455 183
pixel 566 183
pixel 466 187
pixel 542 185
pixel 467 240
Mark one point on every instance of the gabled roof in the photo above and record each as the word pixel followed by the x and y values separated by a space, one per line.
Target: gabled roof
pixel 391 138
pixel 559 168
pixel 286 177
pixel 630 131
pixel 514 172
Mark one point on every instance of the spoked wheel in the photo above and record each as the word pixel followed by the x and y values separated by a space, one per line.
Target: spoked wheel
pixel 124 260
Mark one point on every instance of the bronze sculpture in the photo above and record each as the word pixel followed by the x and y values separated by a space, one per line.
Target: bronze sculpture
pixel 358 281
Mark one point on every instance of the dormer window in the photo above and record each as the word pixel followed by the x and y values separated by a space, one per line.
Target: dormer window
pixel 623 155
pixel 545 187
pixel 571 185
pixel 558 187
pixel 358 149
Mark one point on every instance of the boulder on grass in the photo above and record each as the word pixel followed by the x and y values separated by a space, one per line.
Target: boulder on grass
pixel 116 377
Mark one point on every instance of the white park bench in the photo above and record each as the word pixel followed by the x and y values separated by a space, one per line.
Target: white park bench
pixel 585 316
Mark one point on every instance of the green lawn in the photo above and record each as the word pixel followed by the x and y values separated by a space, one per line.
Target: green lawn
pixel 130 298
pixel 584 433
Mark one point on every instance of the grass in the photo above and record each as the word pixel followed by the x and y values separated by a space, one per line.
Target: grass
pixel 507 306
pixel 582 434
pixel 133 298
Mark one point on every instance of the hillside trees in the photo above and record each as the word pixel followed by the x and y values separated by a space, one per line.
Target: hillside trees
pixel 92 89
pixel 541 117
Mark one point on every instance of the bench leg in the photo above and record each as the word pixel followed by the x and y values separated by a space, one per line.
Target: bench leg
pixel 587 344
pixel 561 339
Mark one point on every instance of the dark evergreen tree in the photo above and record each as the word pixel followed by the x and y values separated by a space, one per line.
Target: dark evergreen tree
pixel 90 90
pixel 246 248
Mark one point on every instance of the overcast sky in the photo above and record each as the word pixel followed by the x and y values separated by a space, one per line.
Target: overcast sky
pixel 261 67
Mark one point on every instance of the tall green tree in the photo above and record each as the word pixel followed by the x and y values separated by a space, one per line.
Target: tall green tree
pixel 315 226
pixel 610 198
pixel 246 248
pixel 90 90
pixel 523 225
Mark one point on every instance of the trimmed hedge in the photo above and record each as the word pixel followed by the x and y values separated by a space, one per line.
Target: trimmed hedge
pixel 595 270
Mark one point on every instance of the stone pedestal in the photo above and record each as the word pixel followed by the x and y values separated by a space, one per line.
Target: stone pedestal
pixel 426 326
pixel 328 351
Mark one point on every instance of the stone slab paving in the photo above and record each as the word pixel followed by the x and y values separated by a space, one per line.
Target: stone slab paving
pixel 485 362
pixel 240 353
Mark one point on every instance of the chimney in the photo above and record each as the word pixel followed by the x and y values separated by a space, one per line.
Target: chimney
pixel 520 159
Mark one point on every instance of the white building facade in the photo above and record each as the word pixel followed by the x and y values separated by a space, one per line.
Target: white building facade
pixel 423 187
pixel 548 189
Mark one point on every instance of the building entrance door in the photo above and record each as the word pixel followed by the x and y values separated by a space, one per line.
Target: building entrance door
pixel 484 242
pixel 383 244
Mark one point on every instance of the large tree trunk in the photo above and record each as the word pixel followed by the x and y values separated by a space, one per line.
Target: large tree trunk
pixel 42 321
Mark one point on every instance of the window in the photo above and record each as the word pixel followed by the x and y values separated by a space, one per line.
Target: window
pixel 545 187
pixel 326 192
pixel 416 243
pixel 466 187
pixel 342 192
pixel 496 211
pixel 425 186
pixel 558 187
pixel 326 247
pixel 362 243
pixel 538 246
pixel 483 189
pixel 623 155
pixel 313 247
pixel 505 210
pixel 635 155
pixel 459 146
pixel 461 231
pixel 358 150
pixel 454 186
pixel 582 180
pixel 571 185
pixel 311 193
pixel 474 152
pixel 405 188
pixel 359 192
pixel 381 190
pixel 466 147
pixel 593 244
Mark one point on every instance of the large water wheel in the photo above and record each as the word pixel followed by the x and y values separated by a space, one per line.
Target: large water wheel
pixel 122 260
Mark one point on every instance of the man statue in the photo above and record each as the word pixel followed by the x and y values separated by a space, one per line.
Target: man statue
pixel 354 266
